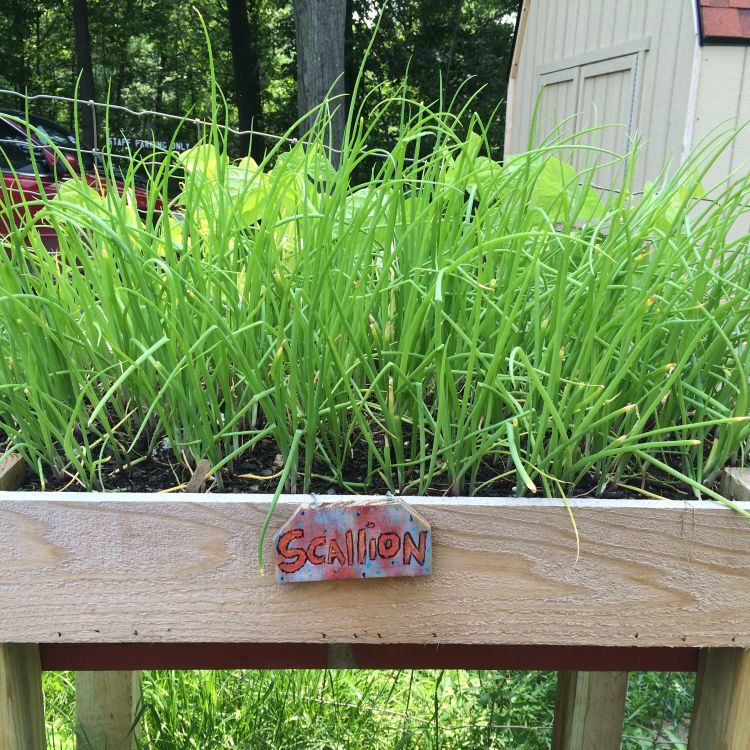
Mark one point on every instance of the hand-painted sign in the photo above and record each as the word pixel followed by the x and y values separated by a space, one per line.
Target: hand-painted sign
pixel 333 541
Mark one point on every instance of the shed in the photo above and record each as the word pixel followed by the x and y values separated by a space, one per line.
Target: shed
pixel 665 71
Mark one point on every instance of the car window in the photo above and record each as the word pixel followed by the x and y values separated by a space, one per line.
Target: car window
pixel 15 154
pixel 63 139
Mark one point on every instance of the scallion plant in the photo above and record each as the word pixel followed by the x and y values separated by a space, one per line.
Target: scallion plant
pixel 424 319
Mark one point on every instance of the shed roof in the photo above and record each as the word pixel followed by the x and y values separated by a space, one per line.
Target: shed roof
pixel 724 21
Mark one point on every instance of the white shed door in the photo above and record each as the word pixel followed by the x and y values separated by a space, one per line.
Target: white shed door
pixel 558 106
pixel 601 88
pixel 607 96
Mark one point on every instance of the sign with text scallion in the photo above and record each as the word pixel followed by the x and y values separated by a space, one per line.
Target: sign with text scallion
pixel 338 540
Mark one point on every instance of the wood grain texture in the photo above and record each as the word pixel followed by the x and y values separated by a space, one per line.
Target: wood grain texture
pixel 141 569
pixel 589 710
pixel 721 719
pixel 12 472
pixel 106 707
pixel 735 484
pixel 21 701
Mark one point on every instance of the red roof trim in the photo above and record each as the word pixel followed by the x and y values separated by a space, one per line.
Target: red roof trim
pixel 724 21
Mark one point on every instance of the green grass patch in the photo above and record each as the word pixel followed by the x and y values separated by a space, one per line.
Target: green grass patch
pixel 343 709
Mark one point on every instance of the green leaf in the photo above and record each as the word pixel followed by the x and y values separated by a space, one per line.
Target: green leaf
pixel 557 191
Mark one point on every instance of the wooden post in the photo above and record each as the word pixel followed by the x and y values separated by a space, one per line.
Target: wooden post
pixel 106 705
pixel 721 718
pixel 12 472
pixel 589 710
pixel 21 700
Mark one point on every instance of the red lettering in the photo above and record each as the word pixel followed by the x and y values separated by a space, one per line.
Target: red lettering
pixel 294 557
pixel 388 545
pixel 335 552
pixel 372 549
pixel 361 546
pixel 411 550
pixel 349 547
pixel 312 548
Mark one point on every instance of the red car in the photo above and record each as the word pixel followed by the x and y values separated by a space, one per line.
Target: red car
pixel 17 162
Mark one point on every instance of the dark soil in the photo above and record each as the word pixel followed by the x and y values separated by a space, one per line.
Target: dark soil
pixel 161 472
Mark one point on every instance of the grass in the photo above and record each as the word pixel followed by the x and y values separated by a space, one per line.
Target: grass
pixel 337 710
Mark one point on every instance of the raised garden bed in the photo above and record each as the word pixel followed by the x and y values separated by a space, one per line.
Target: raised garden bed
pixel 140 569
pixel 127 581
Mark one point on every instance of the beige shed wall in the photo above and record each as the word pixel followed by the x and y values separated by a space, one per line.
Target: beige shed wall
pixel 559 32
pixel 723 102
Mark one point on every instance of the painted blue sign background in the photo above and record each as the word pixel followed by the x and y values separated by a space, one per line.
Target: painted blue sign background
pixel 335 541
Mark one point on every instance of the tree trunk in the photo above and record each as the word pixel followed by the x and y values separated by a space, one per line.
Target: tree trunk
pixel 321 34
pixel 351 66
pixel 243 35
pixel 84 67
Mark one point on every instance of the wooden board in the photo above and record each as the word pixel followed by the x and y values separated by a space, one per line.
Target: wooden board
pixel 325 541
pixel 589 710
pixel 106 709
pixel 720 717
pixel 21 700
pixel 12 472
pixel 109 656
pixel 140 569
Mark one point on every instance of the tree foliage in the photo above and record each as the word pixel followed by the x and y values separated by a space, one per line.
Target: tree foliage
pixel 152 54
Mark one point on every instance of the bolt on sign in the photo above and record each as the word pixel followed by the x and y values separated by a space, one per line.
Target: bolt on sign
pixel 338 540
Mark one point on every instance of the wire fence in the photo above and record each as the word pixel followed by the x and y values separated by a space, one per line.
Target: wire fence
pixel 118 139
pixel 92 106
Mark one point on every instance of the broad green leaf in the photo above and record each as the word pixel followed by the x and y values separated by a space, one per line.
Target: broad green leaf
pixel 557 191
pixel 203 158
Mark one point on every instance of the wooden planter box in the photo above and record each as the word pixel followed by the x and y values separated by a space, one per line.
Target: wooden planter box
pixel 143 574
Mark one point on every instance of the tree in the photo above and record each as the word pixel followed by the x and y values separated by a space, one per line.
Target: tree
pixel 243 34
pixel 438 45
pixel 84 66
pixel 321 34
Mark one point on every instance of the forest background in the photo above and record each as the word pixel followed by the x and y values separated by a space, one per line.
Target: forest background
pixel 152 55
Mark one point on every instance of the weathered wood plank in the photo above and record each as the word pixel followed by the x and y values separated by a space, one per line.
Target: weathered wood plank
pixel 12 472
pixel 21 700
pixel 589 710
pixel 142 570
pixel 721 719
pixel 735 484
pixel 106 708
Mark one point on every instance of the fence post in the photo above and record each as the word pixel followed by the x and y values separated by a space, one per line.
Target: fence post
pixel 721 718
pixel 21 700
pixel 106 705
pixel 589 710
